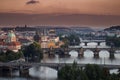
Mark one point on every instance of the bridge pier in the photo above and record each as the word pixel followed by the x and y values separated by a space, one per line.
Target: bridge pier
pixel 81 53
pixel 112 56
pixel 66 52
pixel 86 43
pixel 23 72
pixel 98 43
pixel 5 71
pixel 96 53
pixel 51 52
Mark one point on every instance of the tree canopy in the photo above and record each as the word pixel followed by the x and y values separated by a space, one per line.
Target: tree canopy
pixel 70 40
pixel 113 41
pixel 89 72
pixel 33 52
pixel 71 73
pixel 10 55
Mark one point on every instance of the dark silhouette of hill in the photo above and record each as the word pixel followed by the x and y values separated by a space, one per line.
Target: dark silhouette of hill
pixel 58 19
pixel 113 28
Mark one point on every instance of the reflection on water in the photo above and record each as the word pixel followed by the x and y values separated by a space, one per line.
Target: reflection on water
pixel 44 73
pixel 16 78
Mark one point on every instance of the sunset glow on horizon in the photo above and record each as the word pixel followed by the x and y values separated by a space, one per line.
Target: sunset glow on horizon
pixel 109 8
pixel 99 7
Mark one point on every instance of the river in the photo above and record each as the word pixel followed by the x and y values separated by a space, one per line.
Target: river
pixel 45 73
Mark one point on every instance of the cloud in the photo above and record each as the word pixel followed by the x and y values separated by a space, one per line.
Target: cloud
pixel 32 2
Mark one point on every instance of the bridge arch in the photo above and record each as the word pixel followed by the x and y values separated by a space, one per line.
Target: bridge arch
pixel 42 72
pixel 92 43
pixel 88 53
pixel 104 53
pixel 73 53
pixel 53 67
pixel 44 67
pixel 103 43
pixel 117 54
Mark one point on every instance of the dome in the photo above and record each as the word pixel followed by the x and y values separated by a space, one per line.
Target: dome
pixel 11 34
pixel 11 37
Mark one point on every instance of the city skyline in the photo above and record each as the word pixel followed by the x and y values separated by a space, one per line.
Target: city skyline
pixel 93 13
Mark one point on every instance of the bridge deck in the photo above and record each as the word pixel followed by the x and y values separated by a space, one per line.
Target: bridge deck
pixel 53 65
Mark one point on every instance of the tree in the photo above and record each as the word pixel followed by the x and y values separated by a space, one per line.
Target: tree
pixel 10 56
pixel 119 72
pixel 66 43
pixel 33 52
pixel 93 72
pixel 2 57
pixel 71 73
pixel 70 40
pixel 113 41
pixel 114 77
pixel 105 74
pixel 90 72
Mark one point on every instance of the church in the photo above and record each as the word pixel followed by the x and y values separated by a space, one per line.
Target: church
pixel 10 42
pixel 47 39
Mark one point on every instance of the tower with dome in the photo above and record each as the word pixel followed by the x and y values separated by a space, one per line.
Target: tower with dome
pixel 11 37
pixel 10 42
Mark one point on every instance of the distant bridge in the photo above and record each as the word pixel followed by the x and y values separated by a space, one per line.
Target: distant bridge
pixel 88 41
pixel 93 41
pixel 81 50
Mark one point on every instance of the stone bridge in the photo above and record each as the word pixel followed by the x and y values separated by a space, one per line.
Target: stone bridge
pixel 88 41
pixel 56 66
pixel 24 67
pixel 81 50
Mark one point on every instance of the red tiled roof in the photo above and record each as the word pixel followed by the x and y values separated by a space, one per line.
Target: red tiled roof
pixel 13 44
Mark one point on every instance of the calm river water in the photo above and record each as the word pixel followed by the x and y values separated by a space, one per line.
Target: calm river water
pixel 45 73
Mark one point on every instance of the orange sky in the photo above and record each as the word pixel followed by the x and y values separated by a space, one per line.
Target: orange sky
pixel 97 13
pixel 101 7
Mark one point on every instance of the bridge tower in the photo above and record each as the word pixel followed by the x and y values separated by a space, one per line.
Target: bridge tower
pixel 81 53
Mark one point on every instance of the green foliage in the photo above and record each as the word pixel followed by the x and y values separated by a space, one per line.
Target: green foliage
pixel 71 73
pixel 113 41
pixel 33 52
pixel 114 77
pixel 105 73
pixel 66 43
pixel 64 73
pixel 94 72
pixel 2 57
pixel 73 38
pixel 119 72
pixel 90 72
pixel 10 55
pixel 70 40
